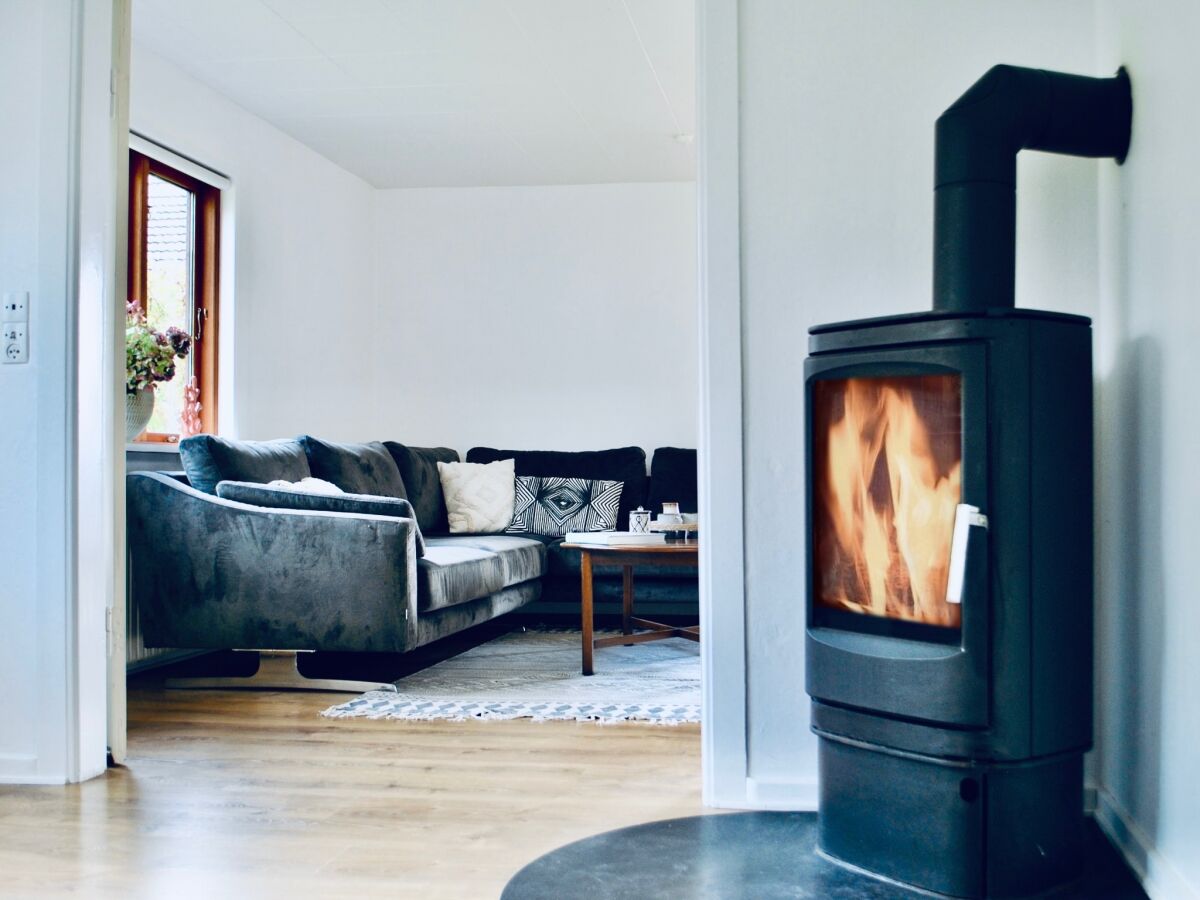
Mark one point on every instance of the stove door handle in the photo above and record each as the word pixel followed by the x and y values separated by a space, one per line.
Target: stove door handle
pixel 966 517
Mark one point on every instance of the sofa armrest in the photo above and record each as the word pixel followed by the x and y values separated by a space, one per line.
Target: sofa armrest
pixel 213 573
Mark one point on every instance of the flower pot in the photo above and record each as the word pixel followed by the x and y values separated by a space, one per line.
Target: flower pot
pixel 139 407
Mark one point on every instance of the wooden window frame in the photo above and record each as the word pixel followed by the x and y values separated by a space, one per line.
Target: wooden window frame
pixel 206 263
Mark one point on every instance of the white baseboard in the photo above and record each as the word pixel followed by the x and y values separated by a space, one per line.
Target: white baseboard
pixel 1160 879
pixel 32 780
pixel 22 768
pixel 15 763
pixel 787 796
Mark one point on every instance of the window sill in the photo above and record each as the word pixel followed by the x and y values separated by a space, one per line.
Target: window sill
pixel 153 447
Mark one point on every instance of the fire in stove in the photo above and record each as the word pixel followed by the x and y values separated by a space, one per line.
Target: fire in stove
pixel 887 461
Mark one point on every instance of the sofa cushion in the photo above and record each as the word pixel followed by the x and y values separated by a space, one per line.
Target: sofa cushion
pixel 289 498
pixel 355 468
pixel 673 477
pixel 209 459
pixel 624 464
pixel 558 506
pixel 459 569
pixel 419 472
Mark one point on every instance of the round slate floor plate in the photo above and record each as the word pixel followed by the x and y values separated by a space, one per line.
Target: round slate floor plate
pixel 758 855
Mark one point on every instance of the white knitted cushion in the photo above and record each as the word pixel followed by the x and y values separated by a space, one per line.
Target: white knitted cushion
pixel 479 498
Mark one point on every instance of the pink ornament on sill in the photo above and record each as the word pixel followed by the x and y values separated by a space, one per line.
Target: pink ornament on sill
pixel 191 409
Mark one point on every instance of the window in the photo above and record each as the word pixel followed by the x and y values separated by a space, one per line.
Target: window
pixel 174 246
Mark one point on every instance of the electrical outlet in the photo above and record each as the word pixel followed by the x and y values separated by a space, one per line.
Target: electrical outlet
pixel 14 339
pixel 15 307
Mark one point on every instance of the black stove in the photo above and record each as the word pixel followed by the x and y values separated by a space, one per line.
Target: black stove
pixel 949 641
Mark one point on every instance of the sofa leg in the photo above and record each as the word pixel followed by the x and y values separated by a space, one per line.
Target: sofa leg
pixel 279 670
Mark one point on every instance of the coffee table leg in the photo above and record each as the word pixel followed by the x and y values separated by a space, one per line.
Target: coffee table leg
pixel 585 569
pixel 627 601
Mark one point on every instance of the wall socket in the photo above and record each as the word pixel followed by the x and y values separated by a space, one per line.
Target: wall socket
pixel 14 343
pixel 15 307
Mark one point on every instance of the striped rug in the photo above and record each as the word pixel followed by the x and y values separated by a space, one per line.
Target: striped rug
pixel 535 675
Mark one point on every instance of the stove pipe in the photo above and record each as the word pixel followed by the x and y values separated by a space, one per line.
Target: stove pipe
pixel 975 201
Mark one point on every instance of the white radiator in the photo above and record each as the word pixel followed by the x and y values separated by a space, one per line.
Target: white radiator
pixel 135 650
pixel 137 655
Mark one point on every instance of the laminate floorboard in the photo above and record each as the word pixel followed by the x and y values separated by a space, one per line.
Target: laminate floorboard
pixel 245 794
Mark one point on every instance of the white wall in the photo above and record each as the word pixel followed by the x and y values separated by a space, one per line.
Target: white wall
pixel 502 316
pixel 302 306
pixel 19 385
pixel 836 158
pixel 1148 444
pixel 838 102
pixel 536 317
pixel 55 189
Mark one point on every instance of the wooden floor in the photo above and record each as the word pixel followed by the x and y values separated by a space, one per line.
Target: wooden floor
pixel 230 794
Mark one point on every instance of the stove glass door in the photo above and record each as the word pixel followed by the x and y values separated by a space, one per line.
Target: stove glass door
pixel 887 456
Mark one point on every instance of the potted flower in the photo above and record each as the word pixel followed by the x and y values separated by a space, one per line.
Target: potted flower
pixel 149 358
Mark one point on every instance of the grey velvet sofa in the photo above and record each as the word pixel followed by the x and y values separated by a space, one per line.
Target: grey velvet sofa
pixel 213 572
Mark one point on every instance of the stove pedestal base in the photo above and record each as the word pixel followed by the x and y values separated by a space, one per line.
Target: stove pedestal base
pixel 958 828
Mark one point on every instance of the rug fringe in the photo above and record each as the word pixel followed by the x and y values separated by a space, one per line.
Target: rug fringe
pixel 670 723
pixel 384 706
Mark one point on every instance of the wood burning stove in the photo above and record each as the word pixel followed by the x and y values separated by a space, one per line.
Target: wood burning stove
pixel 949 643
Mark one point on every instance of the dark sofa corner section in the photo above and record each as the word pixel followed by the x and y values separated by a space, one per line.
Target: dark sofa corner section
pixel 624 464
pixel 665 592
pixel 670 593
pixel 674 478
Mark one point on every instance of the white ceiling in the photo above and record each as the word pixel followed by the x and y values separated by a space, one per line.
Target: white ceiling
pixel 425 93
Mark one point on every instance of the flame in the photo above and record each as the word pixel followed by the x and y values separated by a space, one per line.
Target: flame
pixel 888 464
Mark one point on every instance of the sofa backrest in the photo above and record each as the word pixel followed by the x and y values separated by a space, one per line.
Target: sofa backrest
pixel 674 478
pixel 360 468
pixel 673 471
pixel 418 468
pixel 208 459
pixel 624 464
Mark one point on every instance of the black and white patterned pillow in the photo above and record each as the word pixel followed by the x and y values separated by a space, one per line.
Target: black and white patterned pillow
pixel 555 506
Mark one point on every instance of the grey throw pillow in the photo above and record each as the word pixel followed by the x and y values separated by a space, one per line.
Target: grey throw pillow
pixel 556 506
pixel 208 459
pixel 355 468
pixel 355 504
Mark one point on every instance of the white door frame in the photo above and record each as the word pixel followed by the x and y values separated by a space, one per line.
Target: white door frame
pixel 722 552
pixel 56 733
pixel 96 320
pixel 122 39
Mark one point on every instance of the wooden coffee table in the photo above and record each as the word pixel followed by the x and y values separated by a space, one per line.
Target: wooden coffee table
pixel 683 555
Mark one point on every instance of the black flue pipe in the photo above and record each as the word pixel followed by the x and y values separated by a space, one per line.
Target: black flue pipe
pixel 975 200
